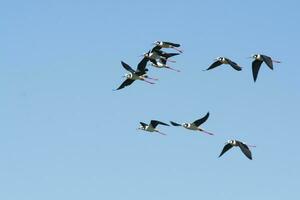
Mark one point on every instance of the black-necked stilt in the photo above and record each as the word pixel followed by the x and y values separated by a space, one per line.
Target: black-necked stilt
pixel 152 126
pixel 162 63
pixel 258 60
pixel 194 125
pixel 157 53
pixel 235 143
pixel 163 44
pixel 222 60
pixel 138 74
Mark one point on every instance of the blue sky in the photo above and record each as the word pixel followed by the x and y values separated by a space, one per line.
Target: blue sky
pixel 64 134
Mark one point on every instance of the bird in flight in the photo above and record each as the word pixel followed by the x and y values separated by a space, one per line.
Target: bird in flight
pixel 163 44
pixel 222 60
pixel 258 60
pixel 152 126
pixel 138 74
pixel 194 125
pixel 235 143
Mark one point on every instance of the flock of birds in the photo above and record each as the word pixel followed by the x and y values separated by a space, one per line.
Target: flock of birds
pixel 160 59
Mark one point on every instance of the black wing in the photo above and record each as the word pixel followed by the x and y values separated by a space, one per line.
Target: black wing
pixel 268 61
pixel 202 120
pixel 165 54
pixel 153 61
pixel 175 124
pixel 234 65
pixel 172 44
pixel 127 67
pixel 125 83
pixel 154 123
pixel 255 68
pixel 245 149
pixel 169 55
pixel 215 64
pixel 141 68
pixel 156 48
pixel 226 148
pixel 143 124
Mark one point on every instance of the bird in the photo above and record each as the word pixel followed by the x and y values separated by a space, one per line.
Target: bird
pixel 235 143
pixel 152 126
pixel 194 125
pixel 258 60
pixel 138 74
pixel 164 44
pixel 157 53
pixel 222 60
pixel 161 63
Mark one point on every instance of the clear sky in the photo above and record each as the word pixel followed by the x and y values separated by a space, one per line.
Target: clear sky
pixel 64 134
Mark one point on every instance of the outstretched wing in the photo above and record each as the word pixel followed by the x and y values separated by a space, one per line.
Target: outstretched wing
pixel 165 54
pixel 175 124
pixel 153 61
pixel 215 64
pixel 268 61
pixel 202 120
pixel 245 149
pixel 154 123
pixel 125 83
pixel 226 148
pixel 156 48
pixel 172 44
pixel 143 124
pixel 255 68
pixel 234 65
pixel 169 55
pixel 127 67
pixel 141 68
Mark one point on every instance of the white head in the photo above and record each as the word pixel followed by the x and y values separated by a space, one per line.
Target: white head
pixel 156 42
pixel 185 125
pixel 255 56
pixel 128 76
pixel 231 142
pixel 147 54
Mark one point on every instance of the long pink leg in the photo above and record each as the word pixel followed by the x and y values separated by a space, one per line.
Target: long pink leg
pixel 181 51
pixel 161 133
pixel 172 61
pixel 172 69
pixel 276 61
pixel 155 79
pixel 206 132
pixel 148 81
